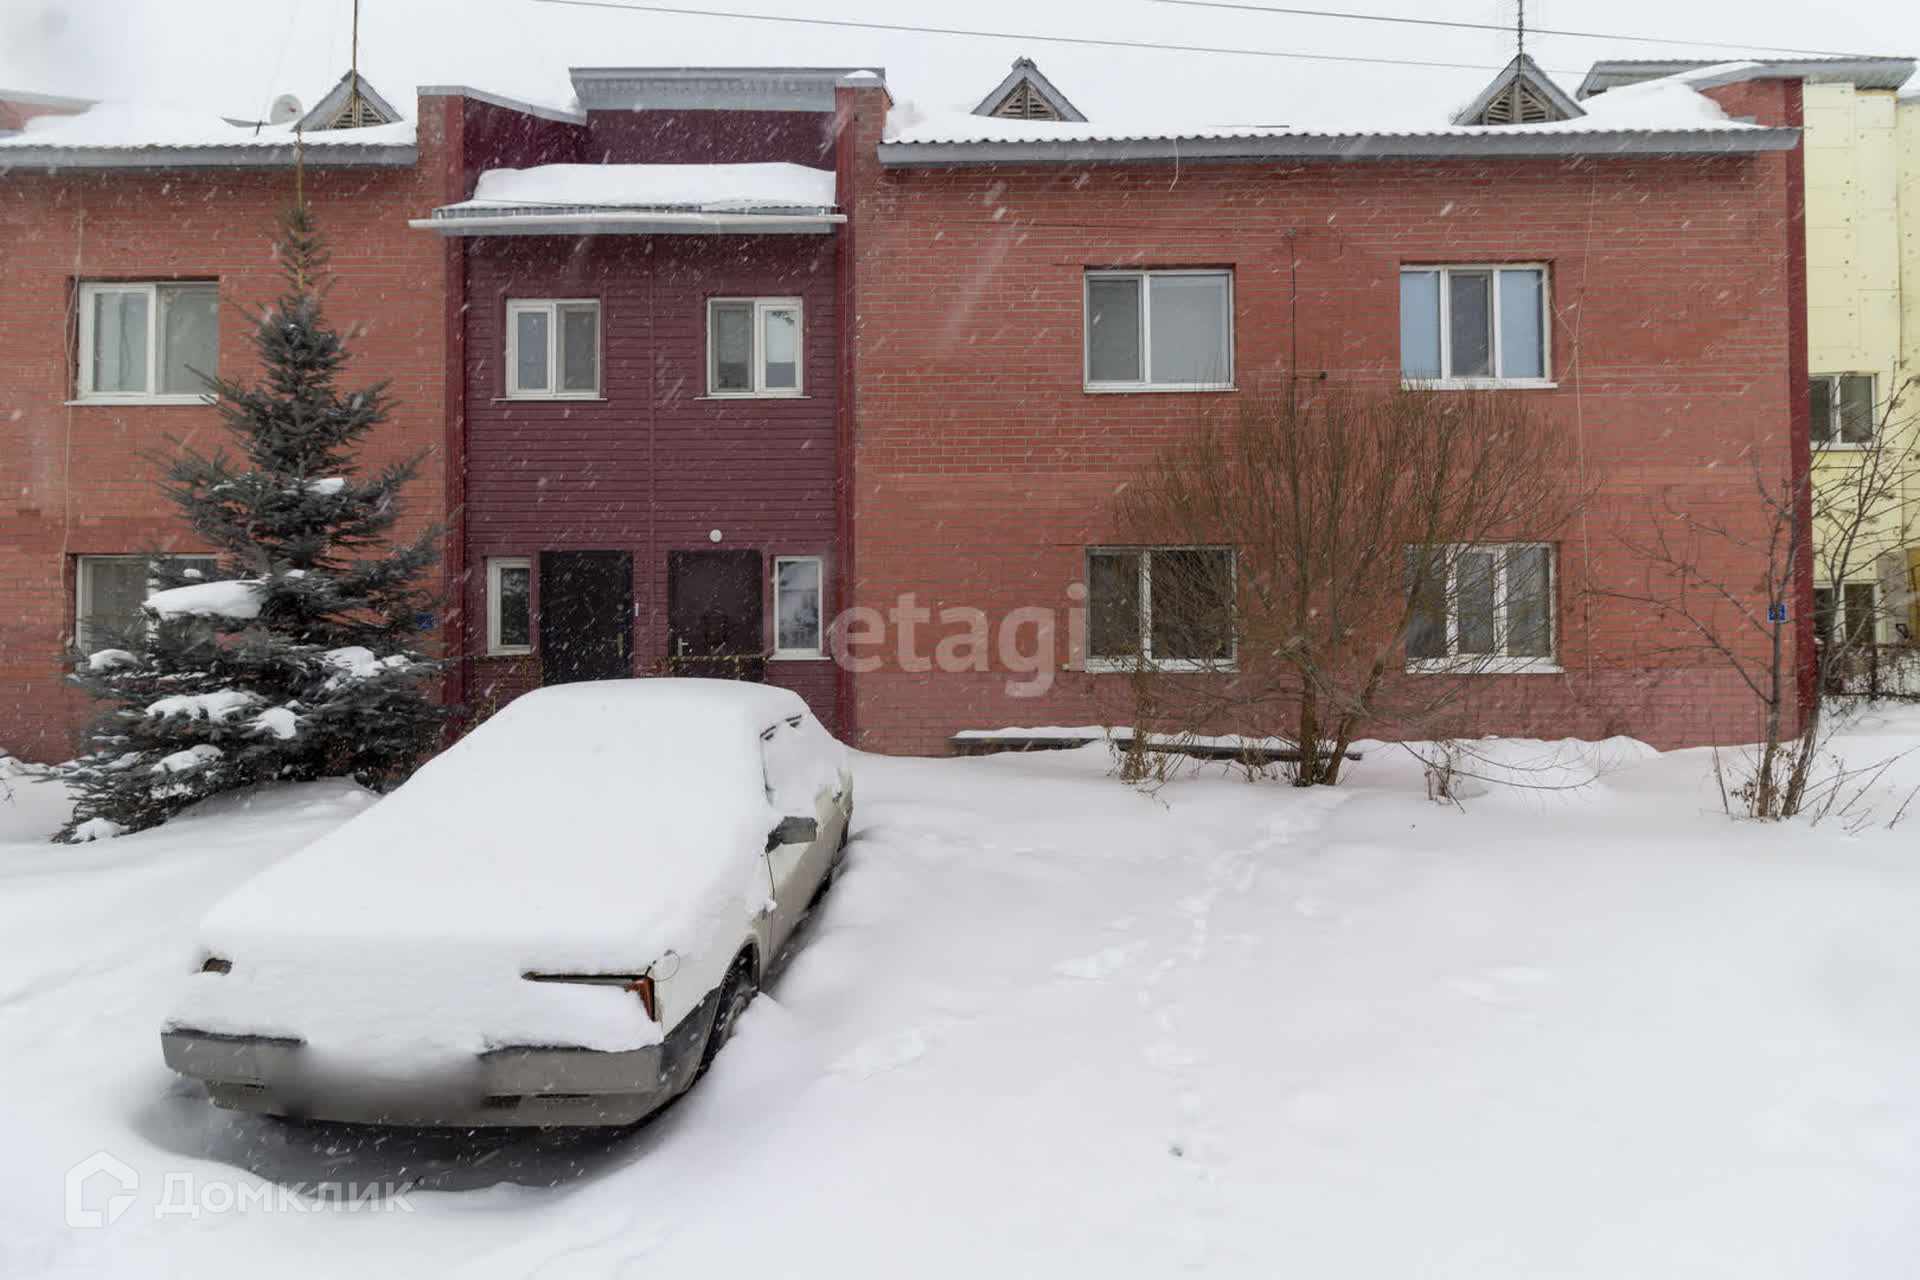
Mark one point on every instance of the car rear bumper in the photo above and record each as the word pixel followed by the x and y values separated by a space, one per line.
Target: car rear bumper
pixel 517 1086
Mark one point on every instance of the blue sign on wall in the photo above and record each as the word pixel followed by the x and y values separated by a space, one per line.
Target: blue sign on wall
pixel 1776 613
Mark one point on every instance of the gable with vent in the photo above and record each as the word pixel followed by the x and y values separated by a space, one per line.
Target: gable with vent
pixel 1027 95
pixel 1520 94
pixel 350 104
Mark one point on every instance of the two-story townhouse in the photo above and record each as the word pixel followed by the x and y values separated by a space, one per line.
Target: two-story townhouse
pixel 138 241
pixel 646 385
pixel 1863 324
pixel 1045 303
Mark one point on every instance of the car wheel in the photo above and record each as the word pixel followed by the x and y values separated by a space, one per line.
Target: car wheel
pixel 736 993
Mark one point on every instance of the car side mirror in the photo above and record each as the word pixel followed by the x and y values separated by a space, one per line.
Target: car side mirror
pixel 793 830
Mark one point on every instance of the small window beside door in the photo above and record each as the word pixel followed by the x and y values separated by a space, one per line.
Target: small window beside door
pixel 553 349
pixel 509 605
pixel 754 347
pixel 148 343
pixel 798 605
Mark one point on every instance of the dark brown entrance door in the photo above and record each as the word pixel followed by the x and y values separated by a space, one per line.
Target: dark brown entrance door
pixel 586 615
pixel 713 614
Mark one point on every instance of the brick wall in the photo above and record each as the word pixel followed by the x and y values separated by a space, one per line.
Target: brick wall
pixel 982 469
pixel 80 479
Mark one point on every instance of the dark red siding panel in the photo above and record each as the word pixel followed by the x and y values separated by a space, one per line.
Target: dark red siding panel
pixel 712 137
pixel 655 465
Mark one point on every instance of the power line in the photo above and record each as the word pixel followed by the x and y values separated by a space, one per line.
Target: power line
pixel 1495 26
pixel 687 11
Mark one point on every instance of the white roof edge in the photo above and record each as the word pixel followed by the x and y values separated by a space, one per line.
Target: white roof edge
pixel 501 100
pixel 1734 139
pixel 1814 70
pixel 1608 74
pixel 629 222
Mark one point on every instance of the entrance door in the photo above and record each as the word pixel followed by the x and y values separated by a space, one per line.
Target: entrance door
pixel 713 614
pixel 586 615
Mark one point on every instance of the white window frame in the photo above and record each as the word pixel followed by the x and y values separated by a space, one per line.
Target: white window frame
pixel 819 649
pixel 1146 383
pixel 1835 444
pixel 516 307
pixel 1496 663
pixel 83 375
pixel 1448 383
pixel 495 564
pixel 1229 663
pixel 82 584
pixel 760 390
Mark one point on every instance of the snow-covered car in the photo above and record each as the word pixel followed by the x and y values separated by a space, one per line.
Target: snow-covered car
pixel 558 921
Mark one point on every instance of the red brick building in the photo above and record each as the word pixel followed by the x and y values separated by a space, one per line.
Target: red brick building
pixel 1655 247
pixel 718 358
pixel 132 238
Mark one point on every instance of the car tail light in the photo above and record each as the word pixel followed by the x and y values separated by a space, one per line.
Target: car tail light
pixel 642 986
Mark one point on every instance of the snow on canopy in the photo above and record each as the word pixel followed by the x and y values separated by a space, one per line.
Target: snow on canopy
pixel 585 828
pixel 237 598
pixel 708 188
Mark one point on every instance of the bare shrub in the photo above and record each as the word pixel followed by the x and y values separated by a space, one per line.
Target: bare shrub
pixel 1292 557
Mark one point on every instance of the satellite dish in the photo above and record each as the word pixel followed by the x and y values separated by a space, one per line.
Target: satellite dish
pixel 285 110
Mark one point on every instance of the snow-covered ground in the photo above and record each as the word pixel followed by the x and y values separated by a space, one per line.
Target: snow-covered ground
pixel 1048 1026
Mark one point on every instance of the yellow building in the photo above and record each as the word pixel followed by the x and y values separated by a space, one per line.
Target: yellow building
pixel 1862 157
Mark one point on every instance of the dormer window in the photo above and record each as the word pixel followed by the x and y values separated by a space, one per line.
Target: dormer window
pixel 350 104
pixel 1027 95
pixel 1520 94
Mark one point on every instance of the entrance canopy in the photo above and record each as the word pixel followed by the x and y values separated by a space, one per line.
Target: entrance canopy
pixel 644 199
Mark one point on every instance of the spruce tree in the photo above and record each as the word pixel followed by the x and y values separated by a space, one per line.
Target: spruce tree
pixel 298 661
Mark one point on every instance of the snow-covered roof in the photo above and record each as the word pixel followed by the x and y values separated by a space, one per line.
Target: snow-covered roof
pixel 642 199
pixel 1659 117
pixel 1611 74
pixel 115 135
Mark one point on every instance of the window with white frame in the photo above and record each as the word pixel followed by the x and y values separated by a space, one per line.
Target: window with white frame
pixel 1473 325
pixel 109 592
pixel 1159 330
pixel 1842 409
pixel 148 342
pixel 798 606
pixel 1485 607
pixel 754 347
pixel 553 348
pixel 509 604
pixel 1169 606
pixel 1848 611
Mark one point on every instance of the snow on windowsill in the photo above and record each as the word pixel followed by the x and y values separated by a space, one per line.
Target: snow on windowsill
pixel 1173 666
pixel 1484 666
pixel 94 402
pixel 1478 384
pixel 1153 388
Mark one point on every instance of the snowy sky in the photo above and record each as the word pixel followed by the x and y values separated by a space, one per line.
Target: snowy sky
pixel 235 56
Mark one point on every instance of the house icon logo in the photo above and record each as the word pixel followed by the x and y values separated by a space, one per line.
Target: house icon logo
pixel 99 1163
